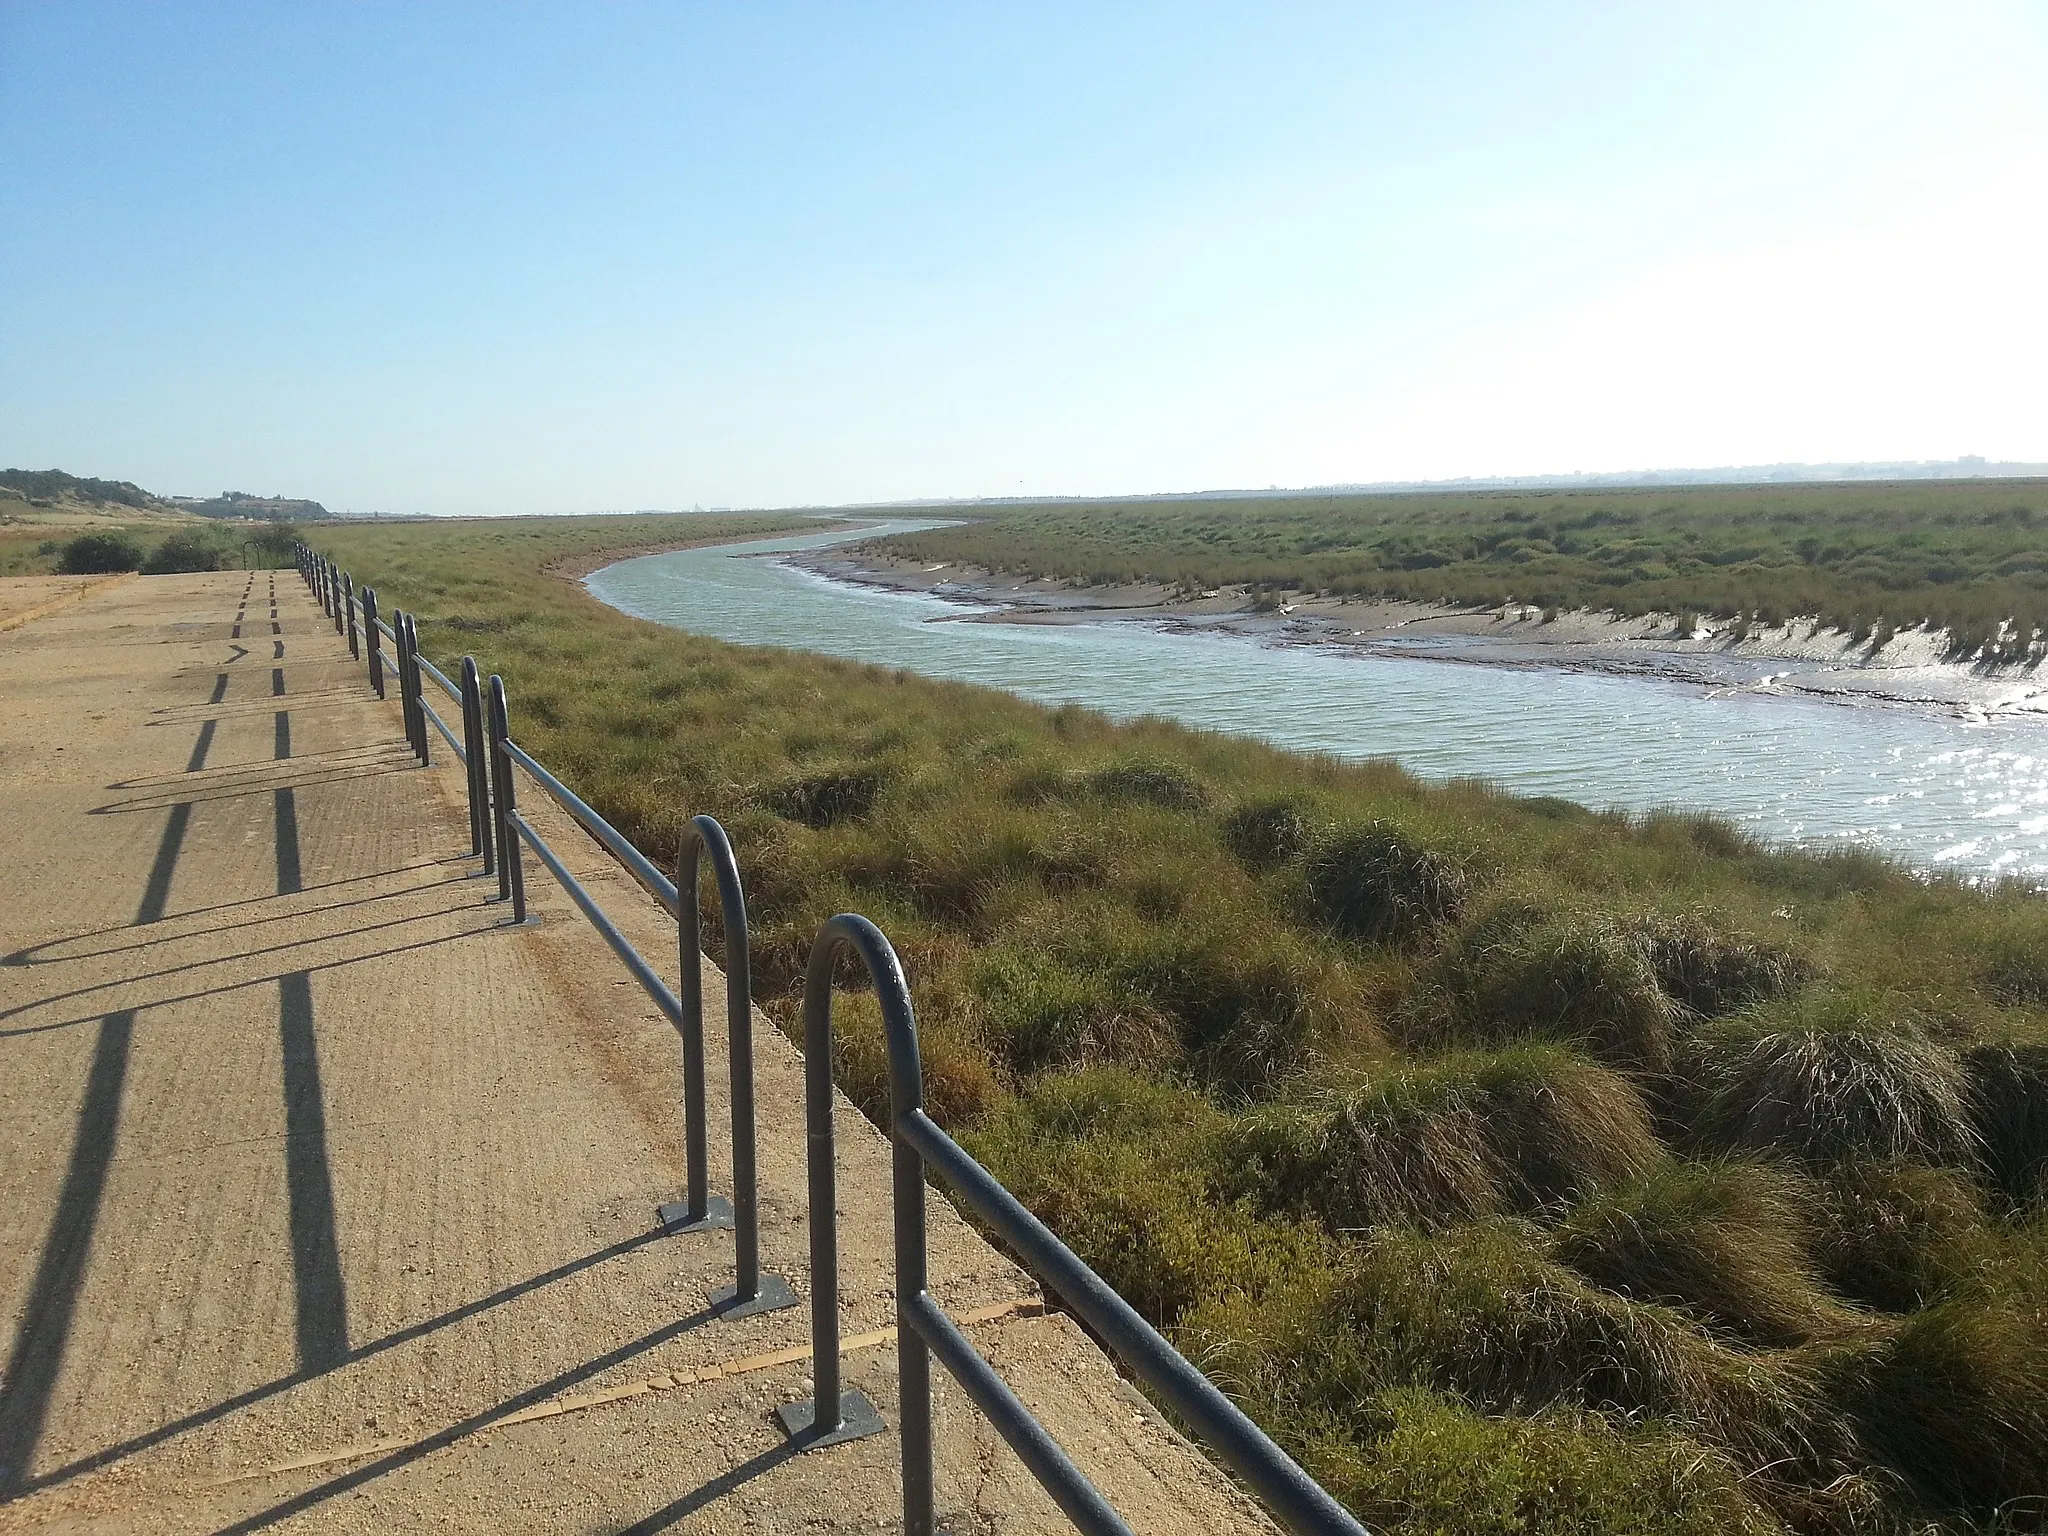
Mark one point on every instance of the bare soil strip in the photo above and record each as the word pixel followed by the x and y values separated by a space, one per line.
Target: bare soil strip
pixel 23 598
pixel 326 1198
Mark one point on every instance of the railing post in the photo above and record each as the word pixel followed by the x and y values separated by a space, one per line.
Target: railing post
pixel 326 585
pixel 833 1414
pixel 409 682
pixel 751 1291
pixel 340 604
pixel 419 690
pixel 474 760
pixel 511 876
pixel 412 740
pixel 695 1213
pixel 373 640
pixel 348 603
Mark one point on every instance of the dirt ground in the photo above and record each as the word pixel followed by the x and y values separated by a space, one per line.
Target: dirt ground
pixel 23 598
pixel 327 1196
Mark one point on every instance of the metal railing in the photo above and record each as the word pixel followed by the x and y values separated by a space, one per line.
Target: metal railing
pixel 833 1415
pixel 497 834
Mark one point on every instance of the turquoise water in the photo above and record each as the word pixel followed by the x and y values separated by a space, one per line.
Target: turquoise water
pixel 1938 791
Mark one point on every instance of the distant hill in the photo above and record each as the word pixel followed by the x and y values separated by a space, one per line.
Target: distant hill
pixel 241 504
pixel 53 484
pixel 50 486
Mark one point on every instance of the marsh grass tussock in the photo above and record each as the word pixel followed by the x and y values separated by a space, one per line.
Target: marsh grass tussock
pixel 1829 1078
pixel 1377 881
pixel 1899 1235
pixel 1516 972
pixel 1435 1143
pixel 1522 1167
pixel 1727 1241
pixel 2008 1100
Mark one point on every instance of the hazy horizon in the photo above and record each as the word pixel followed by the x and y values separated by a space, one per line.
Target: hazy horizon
pixel 543 258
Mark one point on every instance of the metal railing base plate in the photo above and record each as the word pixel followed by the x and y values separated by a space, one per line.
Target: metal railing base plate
pixel 772 1294
pixel 675 1217
pixel 858 1418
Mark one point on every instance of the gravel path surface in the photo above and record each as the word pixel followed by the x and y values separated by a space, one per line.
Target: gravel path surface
pixel 326 1198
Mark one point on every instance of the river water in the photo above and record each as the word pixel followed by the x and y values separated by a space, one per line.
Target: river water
pixel 1938 791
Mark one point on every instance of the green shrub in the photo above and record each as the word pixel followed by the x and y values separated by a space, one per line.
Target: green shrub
pixel 1267 832
pixel 1118 1167
pixel 1723 1240
pixel 1897 1235
pixel 1418 1464
pixel 1149 781
pixel 1441 1142
pixel 186 550
pixel 1252 999
pixel 98 554
pixel 1826 1079
pixel 1480 1313
pixel 1400 1151
pixel 1512 973
pixel 960 1084
pixel 2008 1088
pixel 1956 1405
pixel 826 799
pixel 272 544
pixel 1373 881
pixel 1713 970
pixel 2014 964
pixel 1551 808
pixel 1050 1013
pixel 1701 832
pixel 963 863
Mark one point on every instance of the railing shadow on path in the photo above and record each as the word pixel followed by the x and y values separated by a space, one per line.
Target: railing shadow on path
pixel 267 979
pixel 239 956
pixel 44 1332
pixel 187 714
pixel 37 954
pixel 211 773
pixel 391 1461
pixel 341 774
pixel 32 954
pixel 710 1493
pixel 398 1338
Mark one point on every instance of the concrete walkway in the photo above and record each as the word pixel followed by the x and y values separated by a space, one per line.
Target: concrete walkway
pixel 326 1199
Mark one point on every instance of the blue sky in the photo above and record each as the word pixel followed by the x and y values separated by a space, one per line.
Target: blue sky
pixel 520 258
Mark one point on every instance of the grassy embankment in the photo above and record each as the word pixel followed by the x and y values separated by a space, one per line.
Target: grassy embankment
pixel 1867 558
pixel 1522 1169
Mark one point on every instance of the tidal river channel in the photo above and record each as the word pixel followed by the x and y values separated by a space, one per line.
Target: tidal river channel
pixel 1938 791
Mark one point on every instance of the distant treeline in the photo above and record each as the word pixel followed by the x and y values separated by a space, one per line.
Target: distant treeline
pixel 53 484
pixel 1970 556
